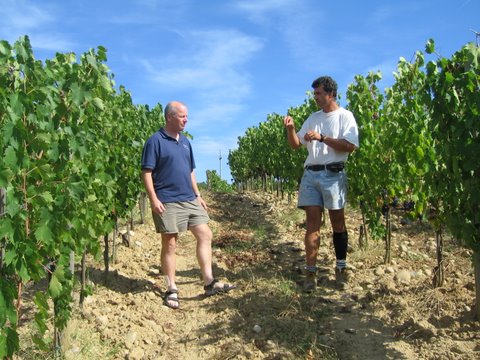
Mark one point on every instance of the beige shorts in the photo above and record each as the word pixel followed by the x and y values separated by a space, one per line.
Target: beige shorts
pixel 179 217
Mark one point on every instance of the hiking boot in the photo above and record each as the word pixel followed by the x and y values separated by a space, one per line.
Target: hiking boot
pixel 342 276
pixel 310 282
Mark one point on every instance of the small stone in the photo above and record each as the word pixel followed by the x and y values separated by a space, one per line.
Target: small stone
pixel 257 328
pixel 102 320
pixel 403 277
pixel 130 339
pixel 88 300
pixel 136 354
pixel 389 270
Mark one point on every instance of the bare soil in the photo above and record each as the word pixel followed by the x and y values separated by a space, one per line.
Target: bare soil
pixel 387 311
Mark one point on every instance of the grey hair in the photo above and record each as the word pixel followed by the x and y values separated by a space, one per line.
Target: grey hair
pixel 172 107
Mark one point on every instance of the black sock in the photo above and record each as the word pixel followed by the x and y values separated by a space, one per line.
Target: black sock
pixel 340 243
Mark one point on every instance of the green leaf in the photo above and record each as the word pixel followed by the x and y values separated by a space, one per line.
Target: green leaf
pixel 6 228
pixel 43 233
pixel 78 94
pixel 41 323
pixel 13 343
pixel 23 273
pixel 3 345
pixel 47 197
pixel 55 287
pixel 430 46
pixel 5 48
pixel 419 152
pixel 41 343
pixel 5 177
pixel 10 256
pixel 98 103
pixel 41 301
pixel 10 158
pixel 3 310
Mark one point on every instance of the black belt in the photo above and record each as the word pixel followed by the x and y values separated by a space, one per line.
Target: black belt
pixel 315 167
pixel 333 167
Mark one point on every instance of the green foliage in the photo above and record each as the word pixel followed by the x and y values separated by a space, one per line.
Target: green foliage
pixel 71 145
pixel 419 141
pixel 455 105
pixel 264 152
pixel 216 184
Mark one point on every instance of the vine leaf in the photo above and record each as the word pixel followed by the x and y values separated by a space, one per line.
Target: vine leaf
pixel 55 287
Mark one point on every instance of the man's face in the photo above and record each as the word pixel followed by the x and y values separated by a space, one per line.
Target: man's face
pixel 178 119
pixel 321 97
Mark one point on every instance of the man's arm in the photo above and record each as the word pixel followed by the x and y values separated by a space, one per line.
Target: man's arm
pixel 339 144
pixel 155 203
pixel 196 191
pixel 292 137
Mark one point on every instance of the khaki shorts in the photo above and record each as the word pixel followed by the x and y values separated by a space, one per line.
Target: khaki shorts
pixel 179 217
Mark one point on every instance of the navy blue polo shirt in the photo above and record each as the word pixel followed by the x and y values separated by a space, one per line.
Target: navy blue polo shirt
pixel 172 163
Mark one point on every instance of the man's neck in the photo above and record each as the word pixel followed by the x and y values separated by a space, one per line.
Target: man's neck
pixel 332 106
pixel 172 134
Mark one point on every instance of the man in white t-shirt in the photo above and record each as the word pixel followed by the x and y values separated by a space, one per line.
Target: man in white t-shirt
pixel 329 135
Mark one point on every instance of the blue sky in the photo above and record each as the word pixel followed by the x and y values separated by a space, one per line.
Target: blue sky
pixel 234 62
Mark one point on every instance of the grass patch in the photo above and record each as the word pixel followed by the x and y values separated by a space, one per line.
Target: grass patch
pixel 78 341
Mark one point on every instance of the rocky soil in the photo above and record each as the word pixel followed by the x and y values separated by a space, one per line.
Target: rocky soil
pixel 387 311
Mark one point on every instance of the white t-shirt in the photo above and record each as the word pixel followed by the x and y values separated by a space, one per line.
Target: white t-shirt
pixel 338 124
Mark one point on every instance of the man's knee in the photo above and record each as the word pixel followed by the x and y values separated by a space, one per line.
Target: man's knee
pixel 202 232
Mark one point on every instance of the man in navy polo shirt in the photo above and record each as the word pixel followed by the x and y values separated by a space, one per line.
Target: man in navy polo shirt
pixel 169 178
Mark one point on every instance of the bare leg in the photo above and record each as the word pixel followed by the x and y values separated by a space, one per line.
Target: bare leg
pixel 314 220
pixel 337 219
pixel 204 235
pixel 168 258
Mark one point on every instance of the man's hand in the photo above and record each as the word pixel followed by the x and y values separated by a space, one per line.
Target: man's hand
pixel 202 202
pixel 158 207
pixel 311 135
pixel 288 122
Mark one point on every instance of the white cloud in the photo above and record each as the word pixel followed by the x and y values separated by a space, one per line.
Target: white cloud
pixel 297 22
pixel 217 112
pixel 207 152
pixel 207 59
pixel 52 41
pixel 211 65
pixel 23 16
pixel 262 11
pixel 26 18
pixel 212 146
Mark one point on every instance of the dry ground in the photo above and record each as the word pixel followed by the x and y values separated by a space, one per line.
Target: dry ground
pixel 386 312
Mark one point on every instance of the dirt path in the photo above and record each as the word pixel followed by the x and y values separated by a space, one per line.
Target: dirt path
pixel 386 312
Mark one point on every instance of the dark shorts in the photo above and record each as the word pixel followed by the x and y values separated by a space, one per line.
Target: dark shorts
pixel 179 217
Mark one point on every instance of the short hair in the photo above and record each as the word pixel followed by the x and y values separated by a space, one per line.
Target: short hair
pixel 172 107
pixel 329 85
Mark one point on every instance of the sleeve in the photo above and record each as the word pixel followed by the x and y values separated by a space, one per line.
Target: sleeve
pixel 192 163
pixel 303 130
pixel 350 129
pixel 150 153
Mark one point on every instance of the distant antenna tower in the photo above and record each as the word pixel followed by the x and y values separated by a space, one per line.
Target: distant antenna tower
pixel 477 35
pixel 220 159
